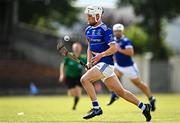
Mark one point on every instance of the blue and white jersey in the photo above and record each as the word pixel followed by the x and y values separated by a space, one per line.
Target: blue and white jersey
pixel 99 38
pixel 122 59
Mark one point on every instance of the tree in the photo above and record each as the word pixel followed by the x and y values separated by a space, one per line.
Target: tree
pixel 138 37
pixel 45 13
pixel 153 13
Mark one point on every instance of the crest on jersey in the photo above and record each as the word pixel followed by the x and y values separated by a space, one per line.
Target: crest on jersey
pixel 93 32
pixel 98 32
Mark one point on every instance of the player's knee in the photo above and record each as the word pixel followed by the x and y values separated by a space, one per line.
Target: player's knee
pixel 140 84
pixel 137 82
pixel 70 93
pixel 83 79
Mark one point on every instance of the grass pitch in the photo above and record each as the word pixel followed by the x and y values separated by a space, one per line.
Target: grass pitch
pixel 57 109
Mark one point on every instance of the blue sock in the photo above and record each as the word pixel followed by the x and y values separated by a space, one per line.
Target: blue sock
pixel 114 95
pixel 141 106
pixel 95 104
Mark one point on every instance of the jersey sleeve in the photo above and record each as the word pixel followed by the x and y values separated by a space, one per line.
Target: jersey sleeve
pixel 66 59
pixel 84 58
pixel 87 28
pixel 108 36
pixel 128 44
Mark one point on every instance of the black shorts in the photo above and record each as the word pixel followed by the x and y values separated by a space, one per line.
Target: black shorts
pixel 73 82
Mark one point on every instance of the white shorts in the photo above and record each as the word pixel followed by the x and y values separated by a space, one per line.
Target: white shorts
pixel 131 72
pixel 106 69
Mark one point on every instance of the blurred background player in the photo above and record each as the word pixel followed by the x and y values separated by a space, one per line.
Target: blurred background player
pixel 101 48
pixel 124 65
pixel 71 71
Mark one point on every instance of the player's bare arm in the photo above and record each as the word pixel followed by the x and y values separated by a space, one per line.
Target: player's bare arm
pixel 112 49
pixel 61 76
pixel 128 51
pixel 89 57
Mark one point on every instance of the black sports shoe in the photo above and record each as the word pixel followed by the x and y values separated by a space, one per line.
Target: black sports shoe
pixel 74 108
pixel 92 113
pixel 153 107
pixel 112 100
pixel 147 112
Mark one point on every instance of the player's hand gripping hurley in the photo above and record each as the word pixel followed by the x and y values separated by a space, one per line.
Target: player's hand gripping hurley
pixel 64 52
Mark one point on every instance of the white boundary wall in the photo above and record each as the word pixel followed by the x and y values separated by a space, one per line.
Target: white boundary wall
pixel 175 73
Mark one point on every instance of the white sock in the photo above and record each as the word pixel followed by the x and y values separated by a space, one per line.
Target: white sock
pixel 95 104
pixel 141 106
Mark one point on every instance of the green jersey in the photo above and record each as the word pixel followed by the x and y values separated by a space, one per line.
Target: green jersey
pixel 72 68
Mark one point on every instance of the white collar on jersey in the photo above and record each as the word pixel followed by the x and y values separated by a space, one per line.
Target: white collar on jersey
pixel 97 25
pixel 123 36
